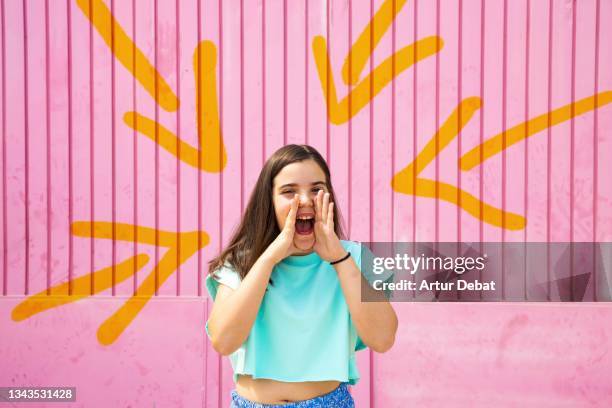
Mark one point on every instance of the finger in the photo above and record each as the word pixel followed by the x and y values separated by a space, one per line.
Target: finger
pixel 290 221
pixel 330 216
pixel 325 208
pixel 318 205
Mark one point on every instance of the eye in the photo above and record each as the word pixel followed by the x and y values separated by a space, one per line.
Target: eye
pixel 317 189
pixel 287 192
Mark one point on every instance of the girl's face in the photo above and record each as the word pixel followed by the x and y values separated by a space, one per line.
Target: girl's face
pixel 305 179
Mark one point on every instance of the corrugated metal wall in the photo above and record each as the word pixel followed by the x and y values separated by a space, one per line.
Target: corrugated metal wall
pixel 133 132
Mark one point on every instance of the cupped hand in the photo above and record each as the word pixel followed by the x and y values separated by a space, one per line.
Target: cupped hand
pixel 283 246
pixel 327 244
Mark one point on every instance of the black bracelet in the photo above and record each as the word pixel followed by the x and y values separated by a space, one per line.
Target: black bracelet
pixel 344 258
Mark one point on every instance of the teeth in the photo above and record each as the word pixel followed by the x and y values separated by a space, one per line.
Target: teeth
pixel 305 217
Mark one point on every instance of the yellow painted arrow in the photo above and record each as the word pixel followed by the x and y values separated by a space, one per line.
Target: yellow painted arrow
pixel 341 111
pixel 211 155
pixel 128 54
pixel 181 246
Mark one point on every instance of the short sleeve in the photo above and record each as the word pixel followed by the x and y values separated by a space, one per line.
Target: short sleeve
pixel 224 275
pixel 365 262
pixel 360 344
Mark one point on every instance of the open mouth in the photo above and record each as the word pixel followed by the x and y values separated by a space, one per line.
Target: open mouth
pixel 304 225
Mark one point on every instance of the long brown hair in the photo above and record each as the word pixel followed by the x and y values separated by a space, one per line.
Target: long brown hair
pixel 258 227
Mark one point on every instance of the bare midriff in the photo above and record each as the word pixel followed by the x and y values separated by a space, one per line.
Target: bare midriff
pixel 267 391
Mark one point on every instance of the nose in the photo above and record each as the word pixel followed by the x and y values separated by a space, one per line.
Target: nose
pixel 305 199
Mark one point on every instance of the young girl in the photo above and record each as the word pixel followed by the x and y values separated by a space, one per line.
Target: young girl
pixel 287 292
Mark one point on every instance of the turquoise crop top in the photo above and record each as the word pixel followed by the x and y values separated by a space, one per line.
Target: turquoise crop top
pixel 303 330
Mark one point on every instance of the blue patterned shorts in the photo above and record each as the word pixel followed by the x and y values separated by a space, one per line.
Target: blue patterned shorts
pixel 338 398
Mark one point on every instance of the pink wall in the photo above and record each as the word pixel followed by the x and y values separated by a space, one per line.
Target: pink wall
pixel 72 156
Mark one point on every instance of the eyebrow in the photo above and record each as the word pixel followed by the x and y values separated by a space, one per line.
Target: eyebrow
pixel 294 184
